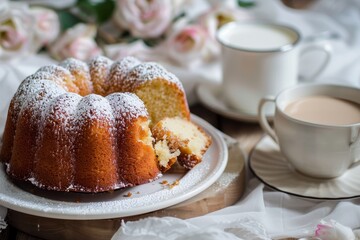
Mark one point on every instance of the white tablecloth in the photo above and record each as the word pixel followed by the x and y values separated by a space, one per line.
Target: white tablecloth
pixel 279 214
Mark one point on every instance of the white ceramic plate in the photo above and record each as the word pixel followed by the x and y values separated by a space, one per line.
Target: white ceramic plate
pixel 209 95
pixel 145 198
pixel 268 164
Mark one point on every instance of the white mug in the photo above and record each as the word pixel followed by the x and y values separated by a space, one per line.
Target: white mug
pixel 260 59
pixel 316 150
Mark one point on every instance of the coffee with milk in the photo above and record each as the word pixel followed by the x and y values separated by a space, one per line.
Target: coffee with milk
pixel 324 110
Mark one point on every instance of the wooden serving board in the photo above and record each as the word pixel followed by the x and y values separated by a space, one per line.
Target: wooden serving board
pixel 226 191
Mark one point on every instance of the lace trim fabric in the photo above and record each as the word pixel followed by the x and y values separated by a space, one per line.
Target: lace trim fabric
pixel 173 228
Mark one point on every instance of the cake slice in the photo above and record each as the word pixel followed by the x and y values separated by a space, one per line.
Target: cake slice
pixel 161 91
pixel 179 139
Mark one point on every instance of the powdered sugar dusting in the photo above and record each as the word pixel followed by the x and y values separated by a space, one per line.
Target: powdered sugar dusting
pixel 126 106
pixel 100 61
pixel 119 71
pixel 73 64
pixel 93 107
pixel 59 116
pixel 43 75
pixel 37 101
pixel 58 74
pixel 28 88
pixel 99 70
pixel 149 71
pixel 81 74
pixel 62 109
pixel 33 111
pixel 64 105
pixel 224 181
pixel 55 70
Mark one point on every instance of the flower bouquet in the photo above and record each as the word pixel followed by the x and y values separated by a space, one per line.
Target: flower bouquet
pixel 180 32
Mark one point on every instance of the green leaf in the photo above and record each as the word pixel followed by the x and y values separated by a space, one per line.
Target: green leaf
pixel 67 20
pixel 246 3
pixel 179 16
pixel 152 42
pixel 96 10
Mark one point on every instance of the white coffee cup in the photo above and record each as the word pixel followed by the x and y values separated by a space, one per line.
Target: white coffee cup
pixel 260 59
pixel 314 149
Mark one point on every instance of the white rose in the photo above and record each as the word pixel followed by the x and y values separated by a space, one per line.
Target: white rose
pixel 143 18
pixel 221 3
pixel 181 6
pixel 190 45
pixel 77 42
pixel 47 26
pixel 220 15
pixel 54 4
pixel 333 231
pixel 136 49
pixel 16 25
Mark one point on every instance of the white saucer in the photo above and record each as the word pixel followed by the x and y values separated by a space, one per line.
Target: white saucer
pixel 267 163
pixel 209 94
pixel 145 198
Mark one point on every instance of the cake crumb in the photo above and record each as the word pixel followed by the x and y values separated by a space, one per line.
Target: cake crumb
pixel 164 182
pixel 175 183
pixel 129 194
pixel 170 185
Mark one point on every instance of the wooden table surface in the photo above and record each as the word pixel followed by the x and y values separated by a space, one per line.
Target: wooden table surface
pixel 248 134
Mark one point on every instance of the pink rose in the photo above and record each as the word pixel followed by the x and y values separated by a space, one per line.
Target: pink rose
pixel 143 18
pixel 333 231
pixel 189 45
pixel 77 42
pixel 47 26
pixel 15 30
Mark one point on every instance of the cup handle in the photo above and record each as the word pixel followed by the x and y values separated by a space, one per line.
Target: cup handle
pixel 355 144
pixel 325 48
pixel 262 117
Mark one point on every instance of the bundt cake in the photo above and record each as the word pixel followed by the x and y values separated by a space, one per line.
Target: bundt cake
pixel 181 140
pixel 87 127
